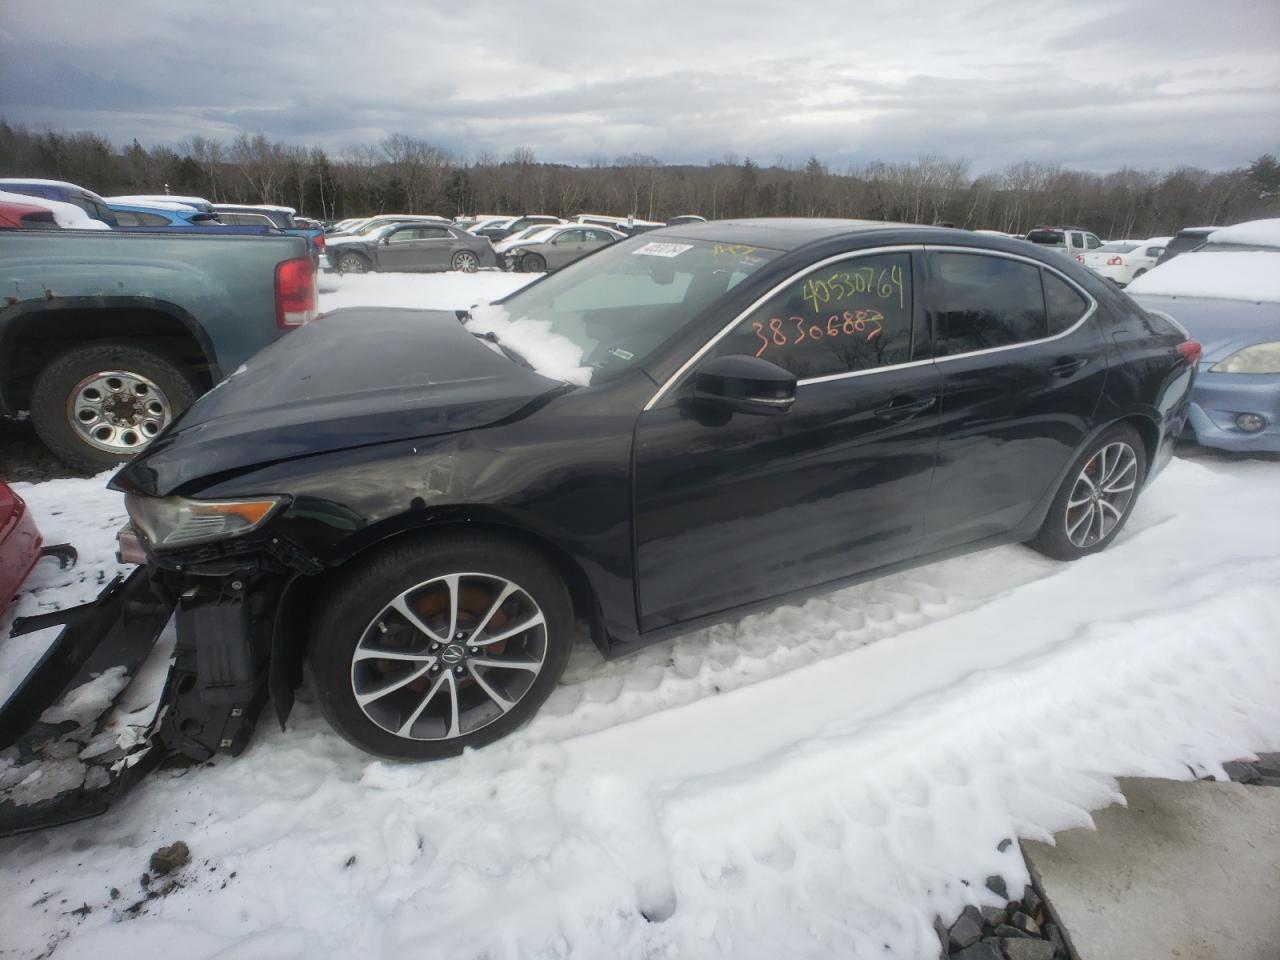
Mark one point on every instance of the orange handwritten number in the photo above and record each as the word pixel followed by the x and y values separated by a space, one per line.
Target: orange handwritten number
pixel 779 337
pixel 764 341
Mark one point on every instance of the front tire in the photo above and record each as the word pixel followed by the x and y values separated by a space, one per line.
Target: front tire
pixel 353 263
pixel 476 630
pixel 96 406
pixel 1097 496
pixel 533 263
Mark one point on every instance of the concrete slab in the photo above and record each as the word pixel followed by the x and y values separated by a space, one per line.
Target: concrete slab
pixel 1188 871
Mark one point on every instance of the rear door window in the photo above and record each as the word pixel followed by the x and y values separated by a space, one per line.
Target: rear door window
pixel 982 302
pixel 849 316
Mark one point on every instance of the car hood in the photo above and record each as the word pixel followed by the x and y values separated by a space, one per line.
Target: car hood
pixel 344 241
pixel 1222 326
pixel 351 378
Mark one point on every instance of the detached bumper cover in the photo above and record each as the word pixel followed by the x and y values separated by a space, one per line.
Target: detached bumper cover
pixel 54 767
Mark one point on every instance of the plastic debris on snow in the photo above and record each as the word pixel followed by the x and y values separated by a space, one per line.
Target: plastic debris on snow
pixel 817 780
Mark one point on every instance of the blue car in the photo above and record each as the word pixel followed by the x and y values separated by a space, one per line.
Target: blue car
pixel 158 214
pixel 1227 295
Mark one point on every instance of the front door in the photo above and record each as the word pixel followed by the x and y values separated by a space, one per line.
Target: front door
pixel 761 506
pixel 1023 365
pixel 566 247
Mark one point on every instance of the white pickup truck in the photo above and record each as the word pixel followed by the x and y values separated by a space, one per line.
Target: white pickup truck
pixel 1071 241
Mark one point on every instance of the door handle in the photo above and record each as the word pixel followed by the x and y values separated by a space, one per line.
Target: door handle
pixel 1067 366
pixel 899 408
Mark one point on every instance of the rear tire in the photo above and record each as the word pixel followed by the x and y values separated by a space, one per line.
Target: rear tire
pixel 435 673
pixel 464 261
pixel 54 403
pixel 1096 497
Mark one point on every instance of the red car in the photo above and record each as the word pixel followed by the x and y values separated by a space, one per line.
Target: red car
pixel 21 545
pixel 25 216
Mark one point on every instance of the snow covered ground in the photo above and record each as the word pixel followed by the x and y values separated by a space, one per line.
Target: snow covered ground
pixel 816 781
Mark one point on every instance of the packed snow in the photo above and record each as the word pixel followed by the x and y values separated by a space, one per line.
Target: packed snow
pixel 819 780
pixel 66 215
pixel 1225 274
pixel 1261 233
pixel 549 353
pixel 430 291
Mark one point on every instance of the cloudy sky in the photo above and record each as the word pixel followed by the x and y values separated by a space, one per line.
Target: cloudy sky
pixel 1097 85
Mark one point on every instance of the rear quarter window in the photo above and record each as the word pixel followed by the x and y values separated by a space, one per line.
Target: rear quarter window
pixel 1063 303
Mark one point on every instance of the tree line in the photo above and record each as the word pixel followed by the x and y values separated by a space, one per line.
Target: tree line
pixel 404 174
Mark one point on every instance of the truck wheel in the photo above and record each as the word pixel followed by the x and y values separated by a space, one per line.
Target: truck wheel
pixel 98 405
pixel 440 643
pixel 352 263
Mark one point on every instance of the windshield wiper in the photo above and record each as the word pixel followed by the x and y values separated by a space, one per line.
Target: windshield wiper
pixel 511 354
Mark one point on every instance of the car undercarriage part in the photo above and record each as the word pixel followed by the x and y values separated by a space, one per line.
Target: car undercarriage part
pixel 62 760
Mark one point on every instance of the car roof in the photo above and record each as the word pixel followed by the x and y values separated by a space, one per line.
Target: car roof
pixel 791 233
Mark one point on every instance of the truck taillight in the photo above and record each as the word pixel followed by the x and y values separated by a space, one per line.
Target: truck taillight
pixel 319 239
pixel 295 292
pixel 1190 351
pixel 1115 262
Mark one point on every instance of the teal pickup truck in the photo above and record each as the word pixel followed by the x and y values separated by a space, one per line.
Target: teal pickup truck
pixel 106 337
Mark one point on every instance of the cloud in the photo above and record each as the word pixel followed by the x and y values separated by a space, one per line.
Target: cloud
pixel 1094 84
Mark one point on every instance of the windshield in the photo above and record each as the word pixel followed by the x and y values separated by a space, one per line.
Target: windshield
pixel 609 311
pixel 1117 247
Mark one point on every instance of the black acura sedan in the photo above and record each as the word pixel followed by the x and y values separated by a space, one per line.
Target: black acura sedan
pixel 428 506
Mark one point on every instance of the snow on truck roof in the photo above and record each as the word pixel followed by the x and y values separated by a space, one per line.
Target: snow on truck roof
pixel 165 198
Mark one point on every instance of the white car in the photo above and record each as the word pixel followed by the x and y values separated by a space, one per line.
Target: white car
pixel 1120 261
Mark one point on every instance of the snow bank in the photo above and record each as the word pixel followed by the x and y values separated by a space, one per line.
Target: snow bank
pixel 425 291
pixel 67 215
pixel 1225 274
pixel 548 352
pixel 810 782
pixel 1262 233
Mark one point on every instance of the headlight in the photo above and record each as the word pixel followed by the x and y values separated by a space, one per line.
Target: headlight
pixel 179 522
pixel 1260 358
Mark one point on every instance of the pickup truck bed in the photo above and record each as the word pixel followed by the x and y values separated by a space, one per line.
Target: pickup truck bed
pixel 107 336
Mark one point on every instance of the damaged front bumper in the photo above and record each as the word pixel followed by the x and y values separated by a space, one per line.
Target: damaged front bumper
pixel 58 768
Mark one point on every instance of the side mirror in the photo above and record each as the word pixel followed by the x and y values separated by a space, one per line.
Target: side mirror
pixel 386 239
pixel 746 385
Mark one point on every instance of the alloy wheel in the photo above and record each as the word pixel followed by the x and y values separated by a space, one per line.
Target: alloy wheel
pixel 449 656
pixel 118 411
pixel 352 264
pixel 465 262
pixel 1101 494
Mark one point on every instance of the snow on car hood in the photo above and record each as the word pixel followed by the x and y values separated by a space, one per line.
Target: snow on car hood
pixel 1226 274
pixel 551 354
pixel 353 378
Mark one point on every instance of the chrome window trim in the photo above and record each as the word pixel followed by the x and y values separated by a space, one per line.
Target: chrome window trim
pixel 724 331
pixel 898 248
pixel 1090 310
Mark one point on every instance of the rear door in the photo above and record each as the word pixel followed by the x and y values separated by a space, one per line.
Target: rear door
pixel 761 506
pixel 1022 363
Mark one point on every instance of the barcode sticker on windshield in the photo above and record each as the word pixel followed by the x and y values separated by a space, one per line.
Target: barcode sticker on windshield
pixel 655 249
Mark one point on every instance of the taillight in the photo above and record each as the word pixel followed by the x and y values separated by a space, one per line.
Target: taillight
pixel 319 239
pixel 295 292
pixel 1190 351
pixel 1116 262
pixel 1079 258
